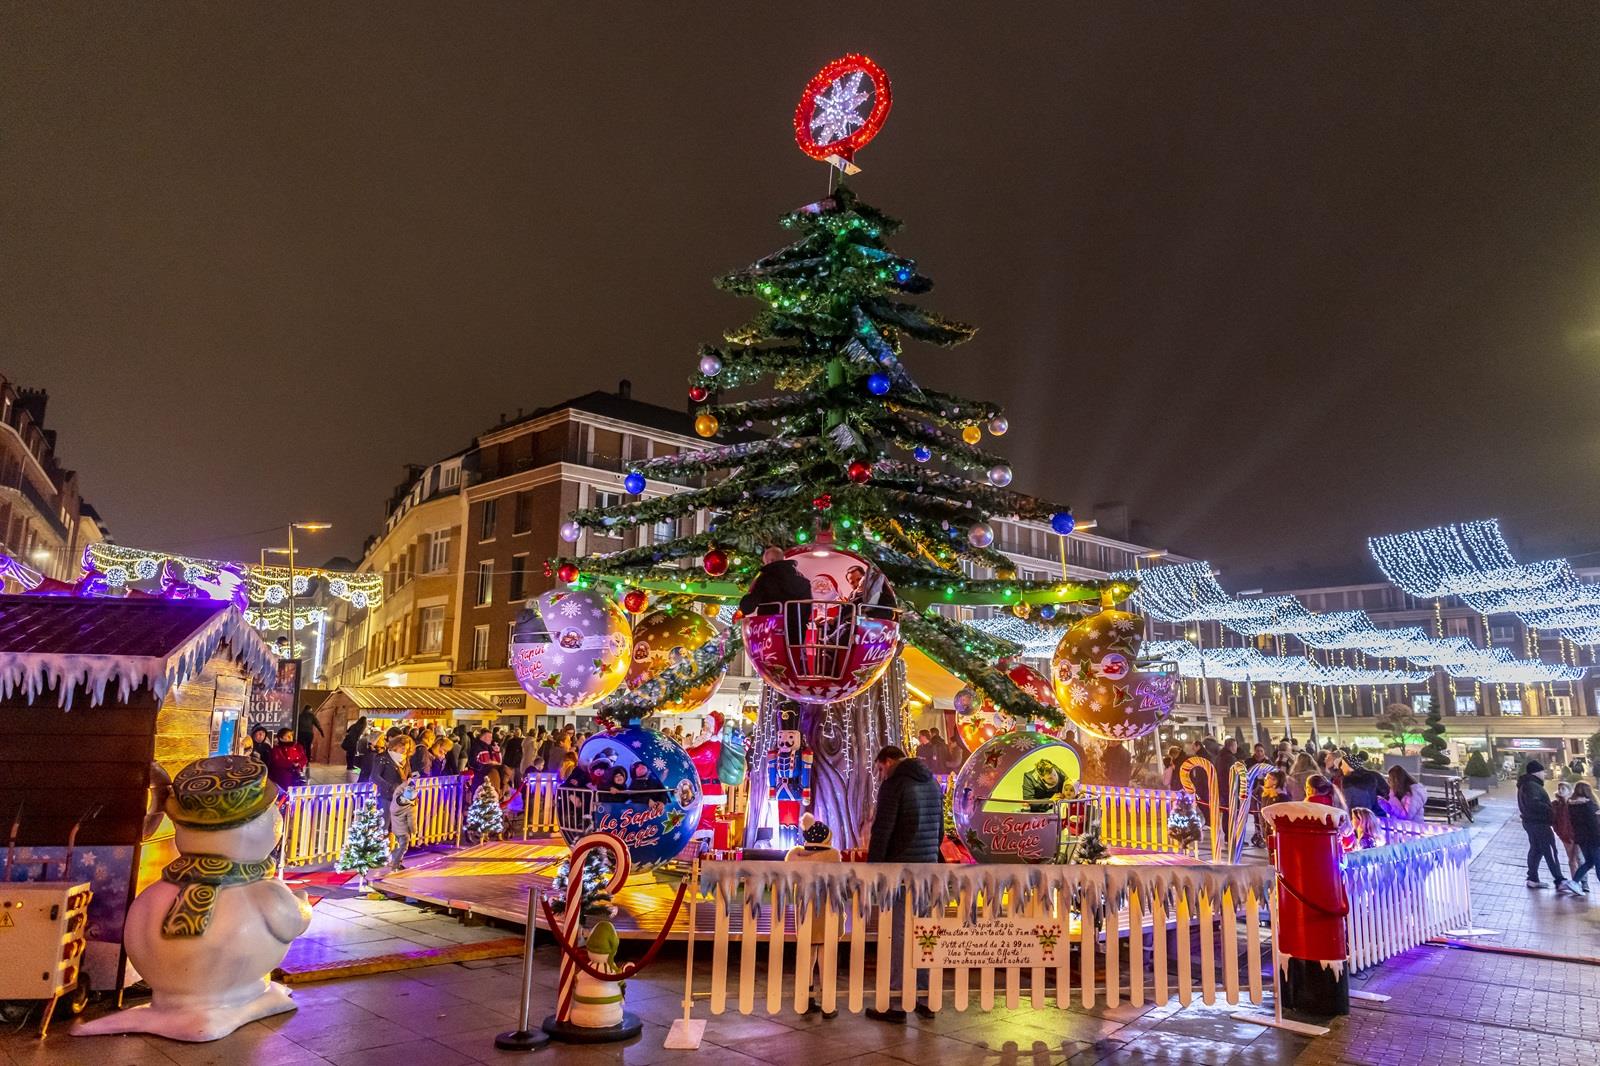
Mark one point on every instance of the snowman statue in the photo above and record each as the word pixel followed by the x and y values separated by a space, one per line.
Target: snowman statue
pixel 597 1004
pixel 207 935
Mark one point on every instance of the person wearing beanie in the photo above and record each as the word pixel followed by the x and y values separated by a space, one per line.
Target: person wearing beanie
pixel 1533 803
pixel 816 846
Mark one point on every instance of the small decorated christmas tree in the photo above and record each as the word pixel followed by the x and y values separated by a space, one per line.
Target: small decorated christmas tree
pixel 1184 824
pixel 596 901
pixel 484 816
pixel 366 847
pixel 1435 756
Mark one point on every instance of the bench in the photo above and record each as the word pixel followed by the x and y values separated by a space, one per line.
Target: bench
pixel 1447 800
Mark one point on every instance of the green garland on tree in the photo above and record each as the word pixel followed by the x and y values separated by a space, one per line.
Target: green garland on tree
pixel 854 445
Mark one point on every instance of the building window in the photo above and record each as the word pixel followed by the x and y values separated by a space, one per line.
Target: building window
pixel 1511 708
pixel 1561 706
pixel 524 513
pixel 519 576
pixel 1466 705
pixel 604 499
pixel 485 582
pixel 450 477
pixel 1422 703
pixel 430 631
pixel 486 519
pixel 480 647
pixel 438 551
pixel 665 530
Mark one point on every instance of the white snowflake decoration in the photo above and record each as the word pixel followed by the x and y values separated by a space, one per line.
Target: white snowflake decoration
pixel 117 575
pixel 146 568
pixel 339 587
pixel 660 764
pixel 836 112
pixel 571 608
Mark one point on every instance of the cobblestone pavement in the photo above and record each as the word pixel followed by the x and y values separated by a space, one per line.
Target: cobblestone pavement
pixel 1448 1008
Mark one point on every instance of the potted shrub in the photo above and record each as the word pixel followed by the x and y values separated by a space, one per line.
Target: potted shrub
pixel 1478 773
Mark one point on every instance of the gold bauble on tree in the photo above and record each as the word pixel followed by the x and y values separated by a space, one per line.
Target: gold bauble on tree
pixel 972 434
pixel 706 425
pixel 1096 683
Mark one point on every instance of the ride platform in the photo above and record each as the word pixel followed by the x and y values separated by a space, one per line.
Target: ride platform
pixel 493 880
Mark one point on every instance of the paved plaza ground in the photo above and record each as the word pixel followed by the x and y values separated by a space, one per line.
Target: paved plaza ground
pixel 1448 1006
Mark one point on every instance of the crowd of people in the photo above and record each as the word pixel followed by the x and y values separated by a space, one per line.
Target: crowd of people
pixel 1334 776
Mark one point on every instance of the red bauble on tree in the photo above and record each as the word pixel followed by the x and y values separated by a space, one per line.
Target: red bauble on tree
pixel 635 601
pixel 698 394
pixel 823 502
pixel 859 472
pixel 567 573
pixel 715 562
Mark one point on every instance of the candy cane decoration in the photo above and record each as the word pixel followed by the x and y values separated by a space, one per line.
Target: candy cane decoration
pixel 572 915
pixel 1243 787
pixel 1186 782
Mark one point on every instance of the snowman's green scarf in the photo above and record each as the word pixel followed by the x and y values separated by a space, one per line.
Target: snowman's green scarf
pixel 198 877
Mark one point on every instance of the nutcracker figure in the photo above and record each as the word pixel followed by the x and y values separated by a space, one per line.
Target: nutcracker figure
pixel 789 777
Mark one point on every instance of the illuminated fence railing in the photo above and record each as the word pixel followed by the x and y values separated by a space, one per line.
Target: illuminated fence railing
pixel 988 936
pixel 316 818
pixel 539 804
pixel 1135 817
pixel 1406 892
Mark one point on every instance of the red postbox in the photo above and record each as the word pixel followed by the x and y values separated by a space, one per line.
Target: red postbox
pixel 1312 907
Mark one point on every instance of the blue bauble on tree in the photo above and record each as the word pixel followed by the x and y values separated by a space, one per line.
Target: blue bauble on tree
pixel 1048 611
pixel 878 384
pixel 634 483
pixel 1063 522
pixel 921 454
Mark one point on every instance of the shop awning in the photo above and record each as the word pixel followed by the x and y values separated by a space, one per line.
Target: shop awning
pixel 384 698
pixel 929 678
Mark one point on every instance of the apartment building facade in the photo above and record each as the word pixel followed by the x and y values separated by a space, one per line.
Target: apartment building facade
pixel 43 519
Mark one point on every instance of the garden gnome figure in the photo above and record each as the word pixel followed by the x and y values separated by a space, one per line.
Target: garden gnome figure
pixel 597 1004
pixel 207 935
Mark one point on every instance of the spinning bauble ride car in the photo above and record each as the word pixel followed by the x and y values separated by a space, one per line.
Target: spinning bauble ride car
pixel 1099 684
pixel 665 640
pixel 650 799
pixel 820 624
pixel 570 648
pixel 1007 799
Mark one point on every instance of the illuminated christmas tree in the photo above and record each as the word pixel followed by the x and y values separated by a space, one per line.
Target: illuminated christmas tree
pixel 836 442
pixel 366 846
pixel 484 817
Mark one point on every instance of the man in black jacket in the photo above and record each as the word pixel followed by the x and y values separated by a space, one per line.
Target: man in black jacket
pixel 1533 803
pixel 907 826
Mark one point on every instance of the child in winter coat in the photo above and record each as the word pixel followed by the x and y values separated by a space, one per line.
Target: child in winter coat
pixel 403 821
pixel 816 846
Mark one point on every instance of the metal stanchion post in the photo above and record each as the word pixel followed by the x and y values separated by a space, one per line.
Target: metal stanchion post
pixel 525 1037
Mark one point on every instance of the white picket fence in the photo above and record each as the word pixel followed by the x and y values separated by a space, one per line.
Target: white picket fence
pixel 316 818
pixel 1410 890
pixel 1124 934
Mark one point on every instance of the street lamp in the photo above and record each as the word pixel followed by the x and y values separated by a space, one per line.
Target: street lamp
pixel 304 527
pixel 1205 688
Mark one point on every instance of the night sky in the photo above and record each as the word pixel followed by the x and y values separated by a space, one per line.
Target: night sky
pixel 1277 280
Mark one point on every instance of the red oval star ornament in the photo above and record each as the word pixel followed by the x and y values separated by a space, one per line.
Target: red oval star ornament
pixel 842 108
